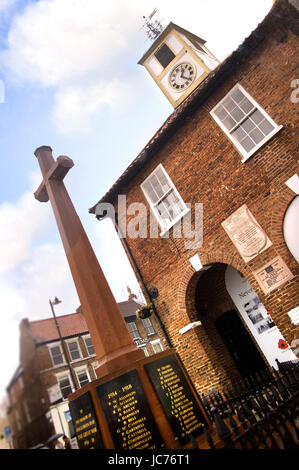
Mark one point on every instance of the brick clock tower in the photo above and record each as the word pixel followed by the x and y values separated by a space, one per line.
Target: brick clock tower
pixel 178 61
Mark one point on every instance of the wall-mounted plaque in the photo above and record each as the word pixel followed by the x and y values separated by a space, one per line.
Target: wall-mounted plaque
pixel 85 423
pixel 246 234
pixel 182 411
pixel 294 315
pixel 273 275
pixel 128 413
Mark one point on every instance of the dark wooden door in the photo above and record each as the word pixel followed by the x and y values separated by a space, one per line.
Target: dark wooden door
pixel 241 347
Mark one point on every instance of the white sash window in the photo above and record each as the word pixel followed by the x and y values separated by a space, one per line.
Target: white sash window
pixel 163 198
pixel 246 124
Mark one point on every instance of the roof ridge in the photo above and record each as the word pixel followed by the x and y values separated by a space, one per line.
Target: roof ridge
pixel 57 316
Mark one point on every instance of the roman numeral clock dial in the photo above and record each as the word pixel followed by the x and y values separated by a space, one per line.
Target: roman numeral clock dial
pixel 181 76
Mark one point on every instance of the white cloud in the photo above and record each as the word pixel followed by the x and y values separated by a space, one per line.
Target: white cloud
pixel 31 272
pixel 53 41
pixel 87 100
pixel 19 224
pixel 77 47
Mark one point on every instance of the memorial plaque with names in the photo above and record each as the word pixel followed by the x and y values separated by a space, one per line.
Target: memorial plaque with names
pixel 85 423
pixel 128 414
pixel 182 411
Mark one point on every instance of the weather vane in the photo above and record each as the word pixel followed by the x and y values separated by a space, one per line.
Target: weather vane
pixel 153 27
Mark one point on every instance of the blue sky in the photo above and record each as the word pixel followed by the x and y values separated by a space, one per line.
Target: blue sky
pixel 69 68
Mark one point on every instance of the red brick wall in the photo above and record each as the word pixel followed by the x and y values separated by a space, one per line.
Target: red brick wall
pixel 205 167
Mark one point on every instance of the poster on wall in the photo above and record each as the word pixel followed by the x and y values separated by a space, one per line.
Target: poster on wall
pixel 273 275
pixel 246 234
pixel 257 318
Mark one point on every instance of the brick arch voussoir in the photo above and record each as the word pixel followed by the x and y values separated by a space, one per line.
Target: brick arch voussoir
pixel 279 207
pixel 188 281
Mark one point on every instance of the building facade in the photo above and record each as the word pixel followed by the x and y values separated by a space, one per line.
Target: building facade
pixel 51 369
pixel 219 183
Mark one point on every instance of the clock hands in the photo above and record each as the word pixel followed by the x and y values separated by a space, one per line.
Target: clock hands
pixel 183 76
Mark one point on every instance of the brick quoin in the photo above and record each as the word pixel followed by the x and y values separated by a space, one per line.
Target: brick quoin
pixel 206 168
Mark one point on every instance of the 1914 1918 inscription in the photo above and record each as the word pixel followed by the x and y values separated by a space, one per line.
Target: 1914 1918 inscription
pixel 127 411
pixel 85 423
pixel 182 411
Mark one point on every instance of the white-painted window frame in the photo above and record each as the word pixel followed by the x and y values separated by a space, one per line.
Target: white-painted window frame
pixel 53 345
pixel 153 343
pixel 74 340
pixel 79 370
pixel 62 375
pixel 85 337
pixel 149 328
pixel 246 155
pixel 135 330
pixel 164 226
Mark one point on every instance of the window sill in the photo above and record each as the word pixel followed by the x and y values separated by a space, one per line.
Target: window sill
pixel 175 221
pixel 266 139
pixel 74 361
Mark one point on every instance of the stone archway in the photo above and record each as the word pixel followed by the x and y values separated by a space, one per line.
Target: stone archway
pixel 189 279
pixel 204 297
pixel 208 363
pixel 229 342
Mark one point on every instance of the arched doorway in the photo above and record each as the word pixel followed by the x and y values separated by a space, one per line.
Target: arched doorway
pixel 229 339
pixel 243 338
pixel 239 344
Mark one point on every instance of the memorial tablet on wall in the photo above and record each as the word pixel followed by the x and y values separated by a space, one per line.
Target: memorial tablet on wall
pixel 273 275
pixel 246 234
pixel 128 414
pixel 85 423
pixel 182 411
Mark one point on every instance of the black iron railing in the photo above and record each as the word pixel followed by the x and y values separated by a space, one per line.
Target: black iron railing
pixel 260 412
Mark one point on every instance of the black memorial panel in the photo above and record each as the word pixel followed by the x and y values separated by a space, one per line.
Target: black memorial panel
pixel 182 411
pixel 85 423
pixel 128 414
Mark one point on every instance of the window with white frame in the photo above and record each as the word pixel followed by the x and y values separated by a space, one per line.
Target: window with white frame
pixel 149 329
pixel 64 383
pixel 157 346
pixel 56 354
pixel 82 376
pixel 89 345
pixel 74 349
pixel 244 121
pixel 163 198
pixel 133 329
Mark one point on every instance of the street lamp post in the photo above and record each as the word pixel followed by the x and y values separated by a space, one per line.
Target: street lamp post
pixel 56 301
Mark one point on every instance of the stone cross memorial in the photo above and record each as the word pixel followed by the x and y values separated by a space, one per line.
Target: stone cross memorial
pixel 136 402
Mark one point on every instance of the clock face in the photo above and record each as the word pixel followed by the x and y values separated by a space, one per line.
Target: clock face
pixel 182 76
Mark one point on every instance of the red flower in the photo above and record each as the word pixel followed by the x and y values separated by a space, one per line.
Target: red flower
pixel 282 344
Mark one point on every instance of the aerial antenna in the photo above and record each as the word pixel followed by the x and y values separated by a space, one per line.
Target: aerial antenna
pixel 153 27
